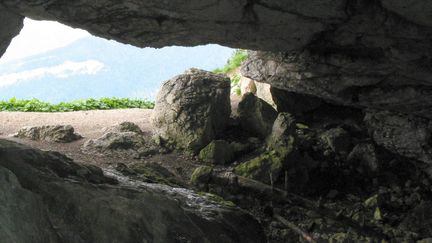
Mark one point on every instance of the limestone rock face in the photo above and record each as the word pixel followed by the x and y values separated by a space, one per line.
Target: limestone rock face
pixel 81 205
pixel 11 25
pixel 57 133
pixel 407 136
pixel 191 109
pixel 269 25
pixel 256 115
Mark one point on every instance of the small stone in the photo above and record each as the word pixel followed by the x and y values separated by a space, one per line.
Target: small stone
pixel 364 155
pixel 201 175
pixel 332 194
pixel 427 240
pixel 267 166
pixel 217 152
pixel 337 140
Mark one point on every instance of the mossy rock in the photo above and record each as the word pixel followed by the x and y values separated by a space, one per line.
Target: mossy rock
pixel 154 173
pixel 267 166
pixel 217 199
pixel 201 175
pixel 217 152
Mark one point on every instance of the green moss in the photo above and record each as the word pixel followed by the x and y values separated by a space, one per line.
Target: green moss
pixel 217 152
pixel 372 201
pixel 201 174
pixel 154 173
pixel 302 126
pixel 262 166
pixel 217 199
pixel 233 63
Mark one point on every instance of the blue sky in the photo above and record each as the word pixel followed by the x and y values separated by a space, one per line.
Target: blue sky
pixel 55 63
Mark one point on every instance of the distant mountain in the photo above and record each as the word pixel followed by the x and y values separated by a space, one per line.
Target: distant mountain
pixel 93 67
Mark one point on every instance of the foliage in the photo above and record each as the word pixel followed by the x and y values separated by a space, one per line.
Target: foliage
pixel 233 63
pixel 35 105
pixel 235 84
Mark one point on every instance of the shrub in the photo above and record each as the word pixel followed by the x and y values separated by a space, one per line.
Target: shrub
pixel 35 105
pixel 233 63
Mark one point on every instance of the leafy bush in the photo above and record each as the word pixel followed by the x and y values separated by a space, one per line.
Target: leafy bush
pixel 235 84
pixel 35 105
pixel 233 63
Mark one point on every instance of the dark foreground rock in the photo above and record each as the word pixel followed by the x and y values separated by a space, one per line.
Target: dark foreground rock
pixel 191 109
pixel 57 133
pixel 47 198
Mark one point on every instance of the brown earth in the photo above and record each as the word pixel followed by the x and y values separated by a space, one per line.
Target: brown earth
pixel 90 125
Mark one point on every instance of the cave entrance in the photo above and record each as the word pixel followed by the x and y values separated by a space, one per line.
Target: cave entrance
pixel 56 63
pixel 54 75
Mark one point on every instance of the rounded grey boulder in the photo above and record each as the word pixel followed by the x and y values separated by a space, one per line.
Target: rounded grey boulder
pixel 191 109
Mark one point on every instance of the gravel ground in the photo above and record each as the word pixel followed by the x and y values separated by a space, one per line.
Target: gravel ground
pixel 86 123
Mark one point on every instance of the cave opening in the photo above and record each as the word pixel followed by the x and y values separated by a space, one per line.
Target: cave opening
pixel 328 141
pixel 56 63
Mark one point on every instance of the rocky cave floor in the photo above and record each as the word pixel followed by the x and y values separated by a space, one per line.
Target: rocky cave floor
pixel 334 189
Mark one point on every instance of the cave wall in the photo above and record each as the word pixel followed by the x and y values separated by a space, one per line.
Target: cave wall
pixel 376 59
pixel 10 26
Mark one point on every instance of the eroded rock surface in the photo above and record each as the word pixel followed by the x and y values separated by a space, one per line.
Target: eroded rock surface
pixel 407 136
pixel 56 133
pixel 11 25
pixel 256 116
pixel 81 205
pixel 191 109
pixel 123 140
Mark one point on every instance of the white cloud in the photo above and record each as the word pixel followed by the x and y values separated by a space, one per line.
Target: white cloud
pixel 64 70
pixel 41 36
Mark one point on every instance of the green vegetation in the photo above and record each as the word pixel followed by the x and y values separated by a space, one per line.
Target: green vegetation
pixel 235 84
pixel 35 105
pixel 233 63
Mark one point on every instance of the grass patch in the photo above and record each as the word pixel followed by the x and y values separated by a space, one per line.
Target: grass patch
pixel 233 63
pixel 35 105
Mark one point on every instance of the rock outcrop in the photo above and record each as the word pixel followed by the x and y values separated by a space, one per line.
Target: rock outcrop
pixel 401 134
pixel 46 197
pixel 57 133
pixel 191 109
pixel 123 140
pixel 11 25
pixel 256 116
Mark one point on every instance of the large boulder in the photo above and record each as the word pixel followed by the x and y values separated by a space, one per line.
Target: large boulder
pixel 408 136
pixel 55 133
pixel 256 116
pixel 46 197
pixel 191 109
